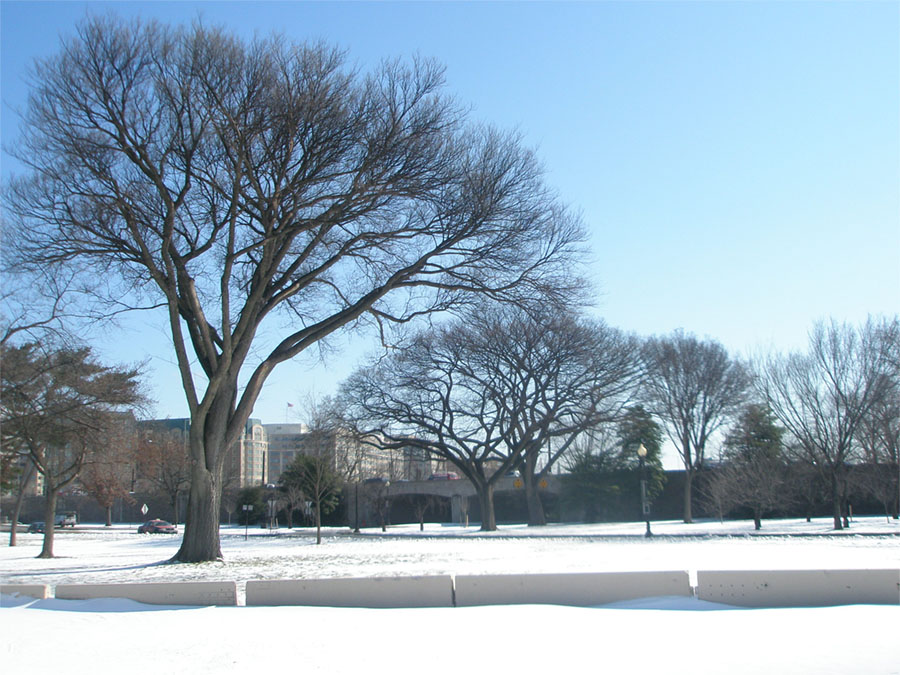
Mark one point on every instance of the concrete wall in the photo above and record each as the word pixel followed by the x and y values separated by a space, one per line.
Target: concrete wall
pixel 753 588
pixel 181 593
pixel 585 589
pixel 800 588
pixel 40 591
pixel 430 591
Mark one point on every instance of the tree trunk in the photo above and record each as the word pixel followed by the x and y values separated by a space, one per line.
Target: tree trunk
pixel 109 515
pixel 757 519
pixel 486 501
pixel 318 523
pixel 174 504
pixel 20 497
pixel 536 515
pixel 49 521
pixel 836 501
pixel 200 542
pixel 688 480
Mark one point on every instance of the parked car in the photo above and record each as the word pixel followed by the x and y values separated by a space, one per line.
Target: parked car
pixel 36 527
pixel 380 480
pixel 447 475
pixel 157 526
pixel 68 519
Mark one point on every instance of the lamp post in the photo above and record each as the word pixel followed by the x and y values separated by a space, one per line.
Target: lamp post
pixel 272 504
pixel 645 505
pixel 246 508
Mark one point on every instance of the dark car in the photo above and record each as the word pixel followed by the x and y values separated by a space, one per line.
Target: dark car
pixel 157 526
pixel 36 527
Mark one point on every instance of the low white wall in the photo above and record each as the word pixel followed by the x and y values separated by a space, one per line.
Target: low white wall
pixel 156 593
pixel 745 588
pixel 429 591
pixel 580 589
pixel 40 591
pixel 800 588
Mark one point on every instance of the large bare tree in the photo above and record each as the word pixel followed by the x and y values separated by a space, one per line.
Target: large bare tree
pixel 239 186
pixel 552 377
pixel 693 387
pixel 823 396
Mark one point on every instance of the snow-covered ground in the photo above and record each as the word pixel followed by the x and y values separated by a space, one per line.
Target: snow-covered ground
pixel 667 634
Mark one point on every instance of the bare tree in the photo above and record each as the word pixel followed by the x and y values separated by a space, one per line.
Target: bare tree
pixel 552 378
pixel 421 398
pixel 694 388
pixel 823 396
pixel 421 505
pixel 292 498
pixel 377 496
pixel 56 403
pixel 164 463
pixel 879 442
pixel 233 184
pixel 108 470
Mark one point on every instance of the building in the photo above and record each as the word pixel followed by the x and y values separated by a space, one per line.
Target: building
pixel 285 443
pixel 246 462
pixel 351 459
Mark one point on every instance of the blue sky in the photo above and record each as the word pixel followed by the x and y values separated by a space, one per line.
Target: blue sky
pixel 737 163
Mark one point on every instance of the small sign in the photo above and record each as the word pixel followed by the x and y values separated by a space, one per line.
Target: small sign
pixel 543 484
pixel 144 509
pixel 518 483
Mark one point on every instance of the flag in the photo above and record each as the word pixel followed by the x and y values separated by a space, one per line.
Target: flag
pixel 290 405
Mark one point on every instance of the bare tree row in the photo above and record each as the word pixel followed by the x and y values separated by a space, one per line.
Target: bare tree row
pixel 500 391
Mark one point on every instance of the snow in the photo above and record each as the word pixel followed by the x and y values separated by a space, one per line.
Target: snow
pixel 679 635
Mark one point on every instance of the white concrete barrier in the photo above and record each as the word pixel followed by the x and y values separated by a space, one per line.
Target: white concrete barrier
pixel 40 591
pixel 429 591
pixel 201 593
pixel 579 589
pixel 800 588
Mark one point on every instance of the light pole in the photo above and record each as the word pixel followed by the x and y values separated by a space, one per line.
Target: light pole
pixel 272 504
pixel 246 508
pixel 645 505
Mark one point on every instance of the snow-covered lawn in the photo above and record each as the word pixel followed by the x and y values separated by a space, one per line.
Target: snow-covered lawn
pixel 659 635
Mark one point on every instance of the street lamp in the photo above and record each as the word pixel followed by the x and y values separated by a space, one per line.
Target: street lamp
pixel 246 508
pixel 272 504
pixel 645 505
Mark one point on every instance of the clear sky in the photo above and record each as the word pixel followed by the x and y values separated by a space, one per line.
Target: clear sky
pixel 737 163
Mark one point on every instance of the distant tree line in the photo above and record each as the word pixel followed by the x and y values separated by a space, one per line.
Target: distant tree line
pixel 493 393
